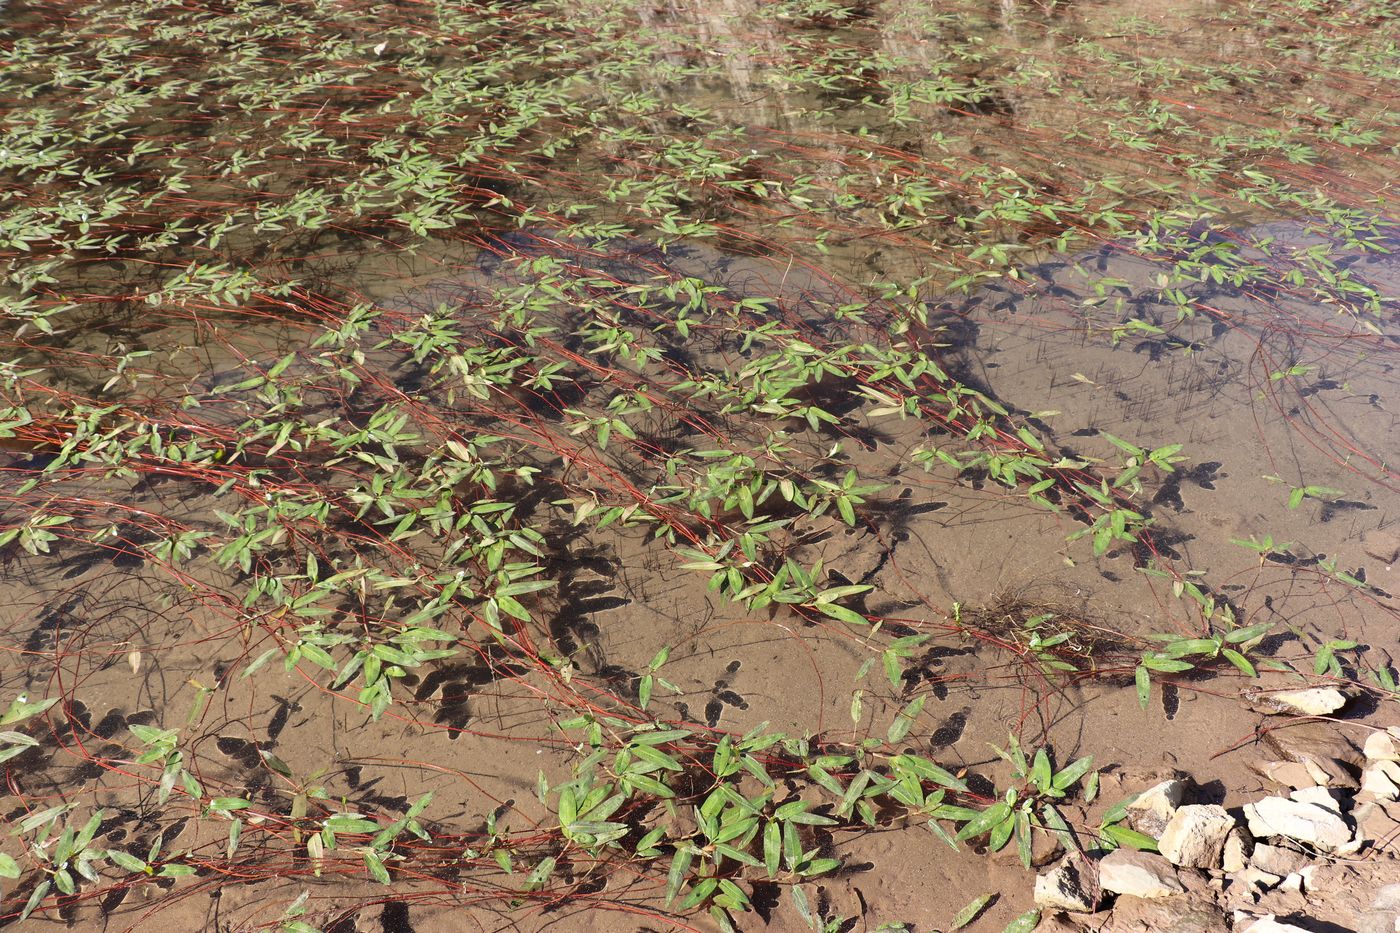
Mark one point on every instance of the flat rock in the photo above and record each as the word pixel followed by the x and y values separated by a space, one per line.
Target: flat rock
pixel 1313 701
pixel 1152 809
pixel 1186 913
pixel 1381 779
pixel 1290 774
pixel 1379 825
pixel 1277 860
pixel 1139 874
pixel 1068 885
pixel 1381 545
pixel 1299 820
pixel 1383 745
pixel 1312 741
pixel 1195 836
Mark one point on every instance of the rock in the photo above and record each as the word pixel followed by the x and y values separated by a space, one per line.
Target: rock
pixel 1383 746
pixel 1152 809
pixel 1319 742
pixel 1239 844
pixel 1298 881
pixel 1195 836
pixel 1384 913
pixel 1185 913
pixel 1276 860
pixel 1314 701
pixel 1381 779
pixel 1267 924
pixel 1378 825
pixel 1067 886
pixel 1256 879
pixel 1290 774
pixel 1381 545
pixel 1140 874
pixel 1321 796
pixel 1300 820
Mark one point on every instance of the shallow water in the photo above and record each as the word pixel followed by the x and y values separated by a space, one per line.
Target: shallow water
pixel 687 249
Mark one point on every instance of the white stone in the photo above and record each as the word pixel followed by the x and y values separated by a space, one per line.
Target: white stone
pixel 1063 888
pixel 1383 746
pixel 1140 874
pixel 1321 796
pixel 1381 779
pixel 1300 820
pixel 1195 836
pixel 1290 774
pixel 1235 855
pixel 1314 701
pixel 1152 809
pixel 1304 876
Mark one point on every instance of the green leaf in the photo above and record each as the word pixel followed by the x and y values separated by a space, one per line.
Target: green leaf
pixel 648 785
pixel 39 894
pixel 985 821
pixel 1166 665
pixel 680 867
pixel 904 719
pixel 928 771
pixel 9 868
pixel 772 847
pixel 21 709
pixel 226 804
pixel 1024 923
pixel 971 912
pixel 842 614
pixel 541 874
pixel 1001 834
pixel 375 866
pixel 1241 635
pixel 1040 770
pixel 1144 685
pixel 1067 777
pixel 1130 837
pixel 1240 661
pixel 125 860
